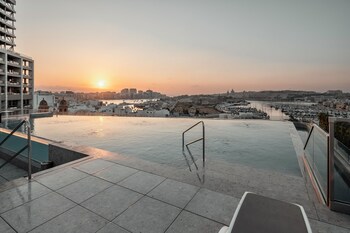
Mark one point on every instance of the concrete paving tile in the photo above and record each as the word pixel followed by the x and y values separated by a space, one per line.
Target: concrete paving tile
pixel 94 166
pixel 142 182
pixel 112 201
pixel 283 179
pixel 74 220
pixel 331 217
pixel 148 216
pixel 174 192
pixel 276 191
pixel 5 228
pixel 213 205
pixel 116 173
pixel 57 180
pixel 17 196
pixel 112 228
pixel 32 214
pixel 84 189
pixel 192 223
pixel 321 227
pixel 308 206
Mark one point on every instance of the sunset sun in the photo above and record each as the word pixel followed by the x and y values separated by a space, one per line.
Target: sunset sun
pixel 101 84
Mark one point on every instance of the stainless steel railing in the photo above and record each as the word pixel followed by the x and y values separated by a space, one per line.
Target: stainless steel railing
pixel 192 142
pixel 28 146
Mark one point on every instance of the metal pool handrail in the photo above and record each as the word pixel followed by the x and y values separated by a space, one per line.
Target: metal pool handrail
pixel 27 146
pixel 194 141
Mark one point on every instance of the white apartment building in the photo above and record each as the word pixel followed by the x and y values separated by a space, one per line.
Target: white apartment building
pixel 16 70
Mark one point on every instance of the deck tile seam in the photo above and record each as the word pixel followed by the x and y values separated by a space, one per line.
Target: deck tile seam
pixel 76 205
pixel 64 185
pixel 199 214
pixel 113 161
pixel 182 210
pixel 117 181
pixel 157 185
pixel 51 191
pixel 173 221
pixel 8 224
pixel 143 195
pixel 93 160
pixel 52 217
pixel 56 191
pixel 126 177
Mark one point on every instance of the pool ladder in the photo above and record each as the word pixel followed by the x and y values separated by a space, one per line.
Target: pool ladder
pixel 27 147
pixel 189 151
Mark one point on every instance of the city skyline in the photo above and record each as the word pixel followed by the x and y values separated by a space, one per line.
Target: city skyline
pixel 186 47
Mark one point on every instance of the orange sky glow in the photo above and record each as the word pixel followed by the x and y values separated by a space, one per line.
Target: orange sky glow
pixel 145 47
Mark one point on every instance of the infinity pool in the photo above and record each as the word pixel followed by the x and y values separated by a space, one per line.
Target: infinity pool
pixel 257 143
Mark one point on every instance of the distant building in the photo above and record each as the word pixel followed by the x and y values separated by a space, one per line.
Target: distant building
pixel 125 91
pixel 43 106
pixel 63 106
pixel 132 92
pixel 39 95
pixel 335 92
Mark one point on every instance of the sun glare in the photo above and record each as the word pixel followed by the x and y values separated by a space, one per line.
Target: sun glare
pixel 101 84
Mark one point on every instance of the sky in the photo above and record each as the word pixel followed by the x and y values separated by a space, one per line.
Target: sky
pixel 186 46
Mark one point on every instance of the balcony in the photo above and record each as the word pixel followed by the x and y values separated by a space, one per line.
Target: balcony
pixel 27 96
pixel 6 23
pixel 7 42
pixel 11 1
pixel 13 63
pixel 13 96
pixel 14 84
pixel 4 13
pixel 8 4
pixel 5 32
pixel 27 67
pixel 13 73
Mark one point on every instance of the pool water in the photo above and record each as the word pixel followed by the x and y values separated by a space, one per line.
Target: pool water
pixel 40 151
pixel 257 143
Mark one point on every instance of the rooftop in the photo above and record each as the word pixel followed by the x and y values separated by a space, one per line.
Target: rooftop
pixel 107 192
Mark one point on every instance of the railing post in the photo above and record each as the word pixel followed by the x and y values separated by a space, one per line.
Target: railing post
pixel 330 195
pixel 203 143
pixel 183 142
pixel 29 143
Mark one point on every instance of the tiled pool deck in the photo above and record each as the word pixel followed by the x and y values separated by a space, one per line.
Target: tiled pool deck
pixel 10 172
pixel 111 193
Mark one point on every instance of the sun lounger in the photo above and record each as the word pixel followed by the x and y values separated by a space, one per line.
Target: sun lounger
pixel 256 213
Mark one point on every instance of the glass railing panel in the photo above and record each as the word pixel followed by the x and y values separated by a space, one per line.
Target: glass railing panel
pixel 321 158
pixel 342 161
pixel 309 149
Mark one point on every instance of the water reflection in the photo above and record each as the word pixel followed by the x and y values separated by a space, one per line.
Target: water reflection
pixel 275 115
